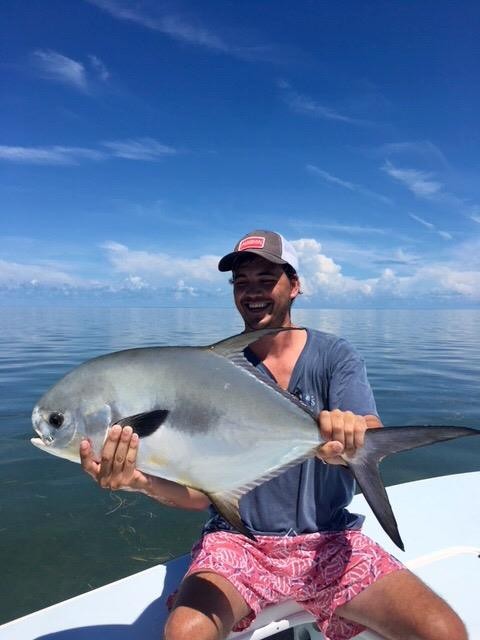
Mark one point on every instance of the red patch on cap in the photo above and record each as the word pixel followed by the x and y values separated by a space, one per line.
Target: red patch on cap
pixel 254 242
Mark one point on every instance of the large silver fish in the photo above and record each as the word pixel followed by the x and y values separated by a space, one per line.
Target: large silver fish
pixel 208 420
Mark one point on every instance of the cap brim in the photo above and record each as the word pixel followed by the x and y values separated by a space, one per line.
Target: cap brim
pixel 226 263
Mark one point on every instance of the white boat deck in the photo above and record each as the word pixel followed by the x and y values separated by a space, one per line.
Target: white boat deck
pixel 439 520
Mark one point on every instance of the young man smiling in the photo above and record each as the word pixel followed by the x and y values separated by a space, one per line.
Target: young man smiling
pixel 308 547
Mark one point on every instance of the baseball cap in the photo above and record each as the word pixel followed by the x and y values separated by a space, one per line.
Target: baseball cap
pixel 268 244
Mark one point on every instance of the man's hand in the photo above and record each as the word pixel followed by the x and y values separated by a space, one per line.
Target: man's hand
pixel 117 469
pixel 344 433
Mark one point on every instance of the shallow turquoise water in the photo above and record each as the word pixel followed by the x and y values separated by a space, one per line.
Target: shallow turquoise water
pixel 60 535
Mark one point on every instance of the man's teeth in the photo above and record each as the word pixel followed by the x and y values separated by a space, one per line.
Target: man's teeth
pixel 257 305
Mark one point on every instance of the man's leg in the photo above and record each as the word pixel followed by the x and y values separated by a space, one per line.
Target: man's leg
pixel 206 608
pixel 400 606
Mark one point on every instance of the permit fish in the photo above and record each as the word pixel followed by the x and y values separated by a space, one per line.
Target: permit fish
pixel 209 420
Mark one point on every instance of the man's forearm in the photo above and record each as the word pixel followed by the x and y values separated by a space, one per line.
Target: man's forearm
pixel 173 494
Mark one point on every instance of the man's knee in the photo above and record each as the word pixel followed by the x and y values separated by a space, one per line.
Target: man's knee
pixel 181 625
pixel 446 626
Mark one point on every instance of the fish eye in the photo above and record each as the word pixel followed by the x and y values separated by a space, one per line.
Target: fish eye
pixel 56 420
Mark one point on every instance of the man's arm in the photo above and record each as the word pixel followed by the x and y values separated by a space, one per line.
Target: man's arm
pixel 117 470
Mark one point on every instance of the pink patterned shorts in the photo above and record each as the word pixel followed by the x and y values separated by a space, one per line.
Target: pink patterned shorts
pixel 321 571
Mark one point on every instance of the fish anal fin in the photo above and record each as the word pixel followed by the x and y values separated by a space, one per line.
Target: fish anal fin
pixel 227 505
pixel 144 424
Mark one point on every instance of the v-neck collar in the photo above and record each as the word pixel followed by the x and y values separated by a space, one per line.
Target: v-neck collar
pixel 255 360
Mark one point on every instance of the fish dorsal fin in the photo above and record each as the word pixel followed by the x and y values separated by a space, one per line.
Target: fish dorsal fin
pixel 232 348
pixel 241 361
pixel 144 424
pixel 234 345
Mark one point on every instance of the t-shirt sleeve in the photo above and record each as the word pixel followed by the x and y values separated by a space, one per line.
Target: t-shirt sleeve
pixel 349 389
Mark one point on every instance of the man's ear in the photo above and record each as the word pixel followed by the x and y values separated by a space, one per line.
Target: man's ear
pixel 296 287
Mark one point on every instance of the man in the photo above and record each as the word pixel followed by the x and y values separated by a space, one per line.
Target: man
pixel 308 546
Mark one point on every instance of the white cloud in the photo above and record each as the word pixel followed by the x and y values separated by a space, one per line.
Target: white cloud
pixel 189 30
pixel 58 68
pixel 158 268
pixel 146 149
pixel 54 66
pixel 54 155
pixel 422 148
pixel 305 105
pixel 14 274
pixel 429 225
pixel 350 186
pixel 99 67
pixel 418 182
pixel 182 291
pixel 139 149
pixel 320 274
pixel 140 272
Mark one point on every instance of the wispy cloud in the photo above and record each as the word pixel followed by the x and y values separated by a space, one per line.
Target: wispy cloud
pixel 55 155
pixel 139 149
pixel 56 67
pixel 100 68
pixel 418 182
pixel 144 149
pixel 189 30
pixel 429 225
pixel 304 105
pixel 424 185
pixel 421 148
pixel 344 184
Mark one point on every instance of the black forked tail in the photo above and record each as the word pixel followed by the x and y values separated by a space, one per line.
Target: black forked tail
pixel 380 443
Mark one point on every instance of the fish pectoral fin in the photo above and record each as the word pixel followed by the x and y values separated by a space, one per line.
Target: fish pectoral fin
pixel 144 424
pixel 227 505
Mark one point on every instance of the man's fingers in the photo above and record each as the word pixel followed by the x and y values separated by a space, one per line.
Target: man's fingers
pixel 330 452
pixel 121 451
pixel 86 459
pixel 349 422
pixel 108 452
pixel 360 428
pixel 131 457
pixel 338 426
pixel 344 427
pixel 325 423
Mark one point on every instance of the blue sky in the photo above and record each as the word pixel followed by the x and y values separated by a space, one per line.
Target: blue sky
pixel 139 140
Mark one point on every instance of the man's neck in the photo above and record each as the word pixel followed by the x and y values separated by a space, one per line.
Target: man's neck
pixel 275 346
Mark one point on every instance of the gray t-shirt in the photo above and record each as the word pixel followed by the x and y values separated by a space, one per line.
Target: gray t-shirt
pixel 311 496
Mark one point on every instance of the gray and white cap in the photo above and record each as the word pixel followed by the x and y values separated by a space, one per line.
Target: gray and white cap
pixel 268 244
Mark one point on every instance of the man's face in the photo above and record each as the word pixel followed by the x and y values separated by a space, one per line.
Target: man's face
pixel 263 293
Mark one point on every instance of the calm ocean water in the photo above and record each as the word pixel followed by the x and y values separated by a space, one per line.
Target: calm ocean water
pixel 61 535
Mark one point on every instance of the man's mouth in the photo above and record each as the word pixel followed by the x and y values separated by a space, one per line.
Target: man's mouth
pixel 257 306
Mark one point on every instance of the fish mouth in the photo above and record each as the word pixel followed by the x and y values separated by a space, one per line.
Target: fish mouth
pixel 39 443
pixel 41 428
